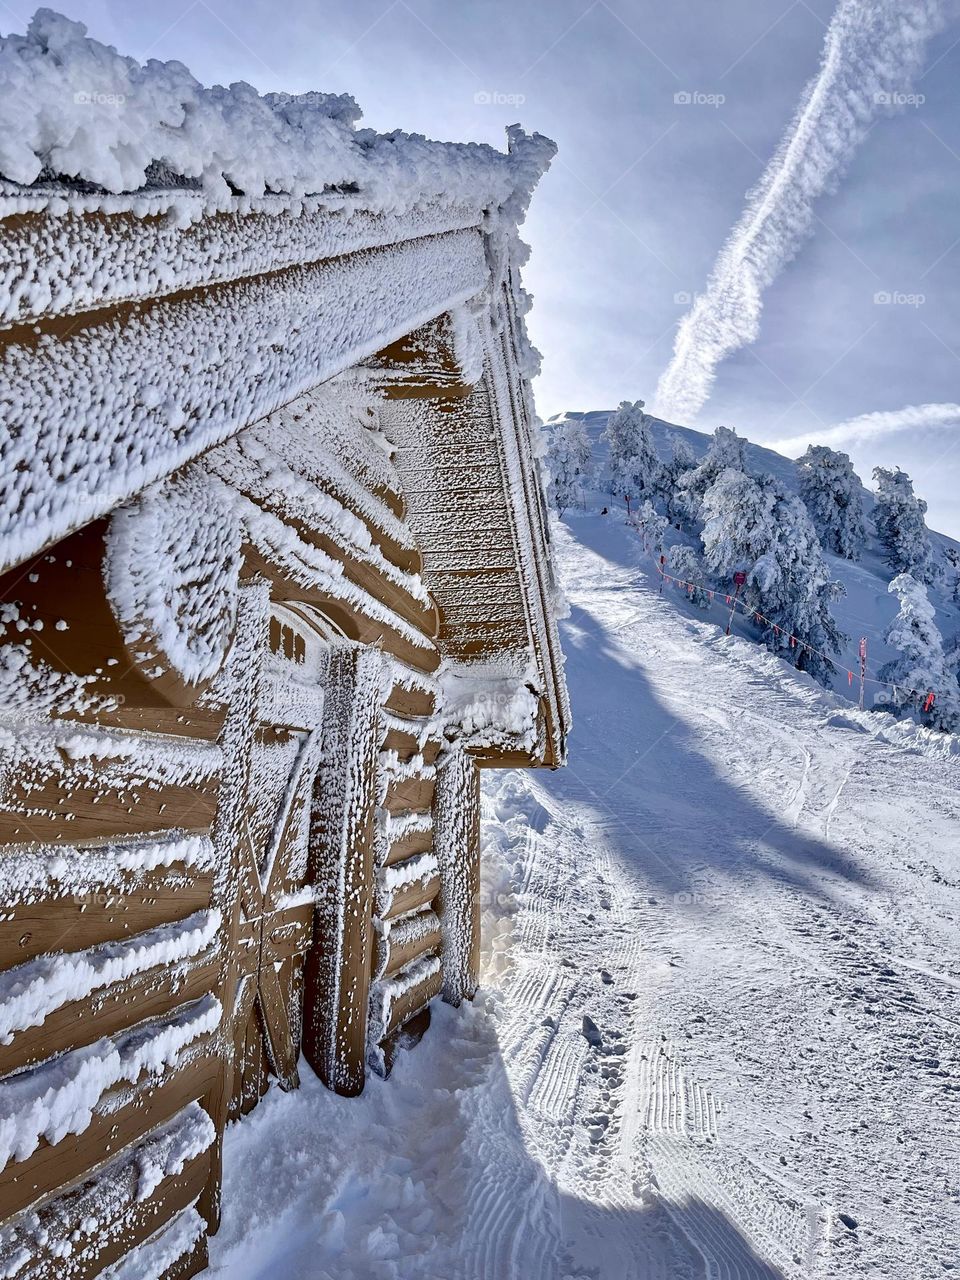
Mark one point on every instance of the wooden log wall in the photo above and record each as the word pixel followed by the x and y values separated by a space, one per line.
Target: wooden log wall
pixel 207 867
pixel 112 954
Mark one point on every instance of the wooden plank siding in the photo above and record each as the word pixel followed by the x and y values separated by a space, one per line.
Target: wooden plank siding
pixel 122 1117
pixel 484 544
pixel 124 1224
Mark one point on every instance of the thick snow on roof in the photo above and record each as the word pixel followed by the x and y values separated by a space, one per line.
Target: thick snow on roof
pixel 73 108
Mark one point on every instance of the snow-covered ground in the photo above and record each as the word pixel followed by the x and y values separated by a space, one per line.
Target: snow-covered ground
pixel 720 1031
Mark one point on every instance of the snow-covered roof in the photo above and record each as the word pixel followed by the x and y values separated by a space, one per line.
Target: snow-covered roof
pixel 78 118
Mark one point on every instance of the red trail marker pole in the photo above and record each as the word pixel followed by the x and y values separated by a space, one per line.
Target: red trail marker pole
pixel 863 666
pixel 739 579
pixel 663 561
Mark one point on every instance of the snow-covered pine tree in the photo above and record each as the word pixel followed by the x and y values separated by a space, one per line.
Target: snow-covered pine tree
pixel 682 459
pixel 951 656
pixel 952 555
pixel 832 493
pixel 922 666
pixel 725 452
pixel 569 463
pixel 752 525
pixel 898 516
pixel 633 469
pixel 686 565
pixel 652 525
pixel 738 522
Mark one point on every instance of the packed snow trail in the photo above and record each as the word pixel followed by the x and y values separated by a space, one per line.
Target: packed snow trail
pixel 720 1030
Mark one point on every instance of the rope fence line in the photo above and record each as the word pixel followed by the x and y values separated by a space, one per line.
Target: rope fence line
pixel 796 642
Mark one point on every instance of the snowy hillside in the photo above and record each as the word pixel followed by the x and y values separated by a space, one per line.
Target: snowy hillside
pixel 717 1036
pixel 867 607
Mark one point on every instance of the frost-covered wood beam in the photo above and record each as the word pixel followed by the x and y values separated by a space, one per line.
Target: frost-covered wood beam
pixel 91 413
pixel 337 973
pixel 510 355
pixel 239 688
pixel 62 253
pixel 457 848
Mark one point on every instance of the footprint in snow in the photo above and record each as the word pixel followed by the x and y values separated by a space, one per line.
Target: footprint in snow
pixel 591 1032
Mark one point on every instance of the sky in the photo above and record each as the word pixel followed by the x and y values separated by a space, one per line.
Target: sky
pixel 666 114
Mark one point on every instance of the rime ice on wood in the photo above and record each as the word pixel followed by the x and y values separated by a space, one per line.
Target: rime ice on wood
pixel 457 846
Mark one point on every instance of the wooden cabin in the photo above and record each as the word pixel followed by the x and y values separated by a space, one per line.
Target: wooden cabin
pixel 276 586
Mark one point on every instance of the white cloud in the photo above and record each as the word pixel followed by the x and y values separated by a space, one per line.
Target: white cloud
pixel 872 50
pixel 871 426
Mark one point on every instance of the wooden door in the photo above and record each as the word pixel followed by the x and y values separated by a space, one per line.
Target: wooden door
pixel 274 921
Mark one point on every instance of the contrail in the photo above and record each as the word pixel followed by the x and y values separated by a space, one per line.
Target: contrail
pixel 870 426
pixel 872 50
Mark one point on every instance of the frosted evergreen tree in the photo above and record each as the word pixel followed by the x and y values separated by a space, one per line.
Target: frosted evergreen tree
pixel 569 463
pixel 652 525
pixel 752 525
pixel 922 666
pixel 833 495
pixel 953 556
pixel 681 461
pixel 899 518
pixel 951 656
pixel 633 469
pixel 688 566
pixel 738 523
pixel 725 452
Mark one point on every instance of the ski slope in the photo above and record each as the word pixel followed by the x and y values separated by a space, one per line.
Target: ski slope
pixel 719 1035
pixel 866 609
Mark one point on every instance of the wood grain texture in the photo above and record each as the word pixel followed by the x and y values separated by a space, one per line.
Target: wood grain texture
pixel 110 1011
pixel 398 956
pixel 114 1237
pixel 413 1000
pixel 411 896
pixel 151 1103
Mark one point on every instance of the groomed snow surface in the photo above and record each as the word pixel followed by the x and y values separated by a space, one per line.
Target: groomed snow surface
pixel 718 1035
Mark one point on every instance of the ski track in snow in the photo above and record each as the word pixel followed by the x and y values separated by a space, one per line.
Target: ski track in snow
pixel 755 903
